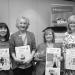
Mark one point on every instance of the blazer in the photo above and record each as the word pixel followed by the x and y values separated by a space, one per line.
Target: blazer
pixel 16 41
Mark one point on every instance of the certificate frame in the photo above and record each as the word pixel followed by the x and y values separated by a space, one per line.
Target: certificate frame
pixel 52 55
pixel 4 59
pixel 23 52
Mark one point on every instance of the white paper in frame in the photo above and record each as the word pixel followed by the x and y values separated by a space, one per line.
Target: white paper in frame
pixel 52 71
pixel 70 59
pixel 4 59
pixel 23 52
pixel 52 61
pixel 52 55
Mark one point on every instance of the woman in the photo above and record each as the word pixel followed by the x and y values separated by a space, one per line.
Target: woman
pixel 18 39
pixel 40 56
pixel 4 44
pixel 69 41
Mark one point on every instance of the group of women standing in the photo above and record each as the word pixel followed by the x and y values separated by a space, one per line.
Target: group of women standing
pixel 22 38
pixel 19 38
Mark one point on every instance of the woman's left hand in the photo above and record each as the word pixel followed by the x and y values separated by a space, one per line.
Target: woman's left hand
pixel 29 60
pixel 60 58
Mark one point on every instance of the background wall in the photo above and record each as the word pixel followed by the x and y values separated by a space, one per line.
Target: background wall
pixel 35 10
pixel 4 11
pixel 38 11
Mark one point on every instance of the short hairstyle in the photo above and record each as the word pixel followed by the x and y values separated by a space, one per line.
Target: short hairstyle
pixel 53 39
pixel 24 18
pixel 8 33
pixel 71 20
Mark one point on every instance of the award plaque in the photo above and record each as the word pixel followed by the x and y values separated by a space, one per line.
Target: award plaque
pixel 23 52
pixel 52 61
pixel 4 59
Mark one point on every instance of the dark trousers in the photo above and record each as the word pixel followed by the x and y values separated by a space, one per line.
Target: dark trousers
pixel 19 71
pixel 4 72
pixel 9 72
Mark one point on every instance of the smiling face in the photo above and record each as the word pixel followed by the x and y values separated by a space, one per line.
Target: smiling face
pixel 3 31
pixel 71 22
pixel 48 36
pixel 23 24
pixel 72 26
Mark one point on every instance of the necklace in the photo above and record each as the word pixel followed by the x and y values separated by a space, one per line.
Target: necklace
pixel 24 38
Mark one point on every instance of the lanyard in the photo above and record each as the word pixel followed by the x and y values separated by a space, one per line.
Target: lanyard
pixel 24 38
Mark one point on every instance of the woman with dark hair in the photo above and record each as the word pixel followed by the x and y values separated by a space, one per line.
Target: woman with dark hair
pixel 4 46
pixel 4 26
pixel 40 56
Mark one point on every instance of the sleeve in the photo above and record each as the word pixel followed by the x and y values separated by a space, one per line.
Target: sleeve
pixel 33 43
pixel 42 52
pixel 63 58
pixel 12 44
pixel 62 50
pixel 39 48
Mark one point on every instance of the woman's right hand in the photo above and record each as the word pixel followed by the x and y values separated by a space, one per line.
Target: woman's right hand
pixel 37 57
pixel 16 59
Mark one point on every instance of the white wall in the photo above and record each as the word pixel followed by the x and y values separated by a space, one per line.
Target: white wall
pixel 38 11
pixel 4 11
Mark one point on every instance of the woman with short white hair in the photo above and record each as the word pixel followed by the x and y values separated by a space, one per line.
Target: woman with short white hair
pixel 22 38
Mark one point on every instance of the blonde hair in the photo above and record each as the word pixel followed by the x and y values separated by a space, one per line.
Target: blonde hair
pixel 71 19
pixel 24 18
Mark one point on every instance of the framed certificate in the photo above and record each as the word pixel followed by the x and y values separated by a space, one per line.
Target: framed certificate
pixel 23 52
pixel 4 59
pixel 69 45
pixel 52 55
pixel 70 58
pixel 52 61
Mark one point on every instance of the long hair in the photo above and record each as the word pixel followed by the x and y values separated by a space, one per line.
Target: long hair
pixel 6 37
pixel 53 39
